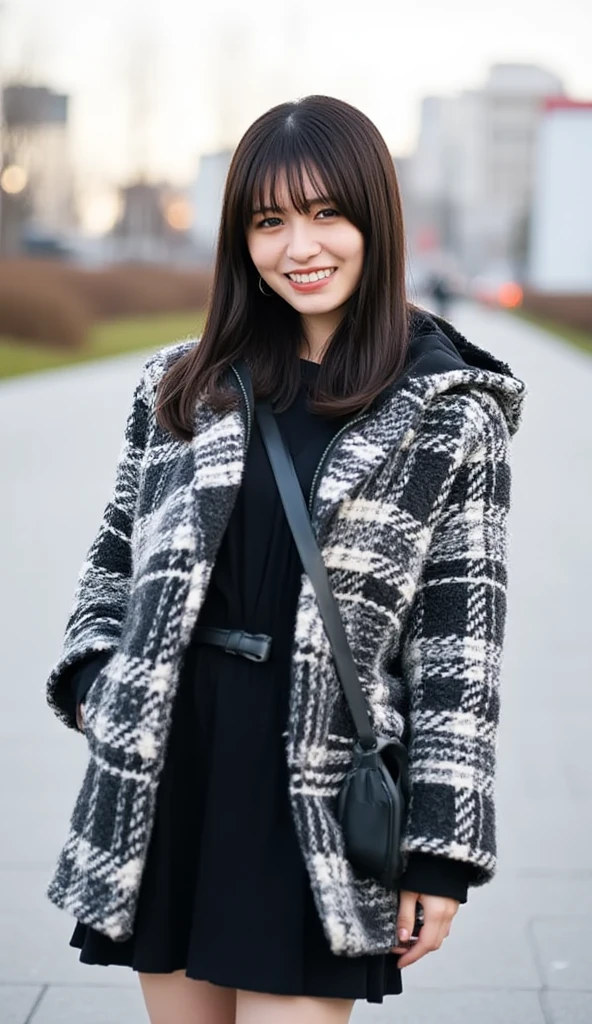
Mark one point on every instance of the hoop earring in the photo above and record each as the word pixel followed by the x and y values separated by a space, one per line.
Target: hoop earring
pixel 267 294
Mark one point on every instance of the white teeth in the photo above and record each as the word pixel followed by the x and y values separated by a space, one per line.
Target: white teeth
pixel 309 278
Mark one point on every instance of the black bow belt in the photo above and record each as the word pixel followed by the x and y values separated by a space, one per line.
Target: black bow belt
pixel 254 646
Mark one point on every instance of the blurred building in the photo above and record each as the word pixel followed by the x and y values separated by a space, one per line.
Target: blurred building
pixel 404 169
pixel 206 199
pixel 141 224
pixel 474 167
pixel 560 251
pixel 153 224
pixel 37 176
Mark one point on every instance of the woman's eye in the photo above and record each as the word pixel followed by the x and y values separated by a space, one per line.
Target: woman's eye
pixel 272 222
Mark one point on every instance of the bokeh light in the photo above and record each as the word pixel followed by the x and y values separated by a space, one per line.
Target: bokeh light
pixel 14 179
pixel 510 295
pixel 179 214
pixel 100 213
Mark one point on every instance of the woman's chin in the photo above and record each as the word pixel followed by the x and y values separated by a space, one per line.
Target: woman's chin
pixel 314 304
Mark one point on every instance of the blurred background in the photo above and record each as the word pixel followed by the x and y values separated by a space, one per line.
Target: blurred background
pixel 119 121
pixel 118 124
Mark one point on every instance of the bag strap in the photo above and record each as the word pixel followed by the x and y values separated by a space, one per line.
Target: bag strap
pixel 298 518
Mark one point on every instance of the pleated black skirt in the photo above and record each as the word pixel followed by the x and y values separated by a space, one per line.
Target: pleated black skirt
pixel 225 894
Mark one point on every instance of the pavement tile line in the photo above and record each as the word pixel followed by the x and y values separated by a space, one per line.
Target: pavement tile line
pixel 545 1008
pixel 30 1017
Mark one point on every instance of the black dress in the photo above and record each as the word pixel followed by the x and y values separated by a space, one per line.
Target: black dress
pixel 225 894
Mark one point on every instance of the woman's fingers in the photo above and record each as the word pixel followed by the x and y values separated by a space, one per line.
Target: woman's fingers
pixel 428 941
pixel 405 918
pixel 438 914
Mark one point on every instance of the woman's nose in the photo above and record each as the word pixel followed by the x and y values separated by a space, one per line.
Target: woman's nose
pixel 302 244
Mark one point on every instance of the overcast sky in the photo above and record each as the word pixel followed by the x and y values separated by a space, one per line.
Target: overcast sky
pixel 241 58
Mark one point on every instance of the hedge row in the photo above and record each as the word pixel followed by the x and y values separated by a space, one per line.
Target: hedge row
pixel 571 310
pixel 56 303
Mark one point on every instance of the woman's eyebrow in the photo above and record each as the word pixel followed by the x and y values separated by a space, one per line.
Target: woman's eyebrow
pixel 267 209
pixel 310 201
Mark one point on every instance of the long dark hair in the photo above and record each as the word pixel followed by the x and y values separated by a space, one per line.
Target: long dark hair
pixel 347 160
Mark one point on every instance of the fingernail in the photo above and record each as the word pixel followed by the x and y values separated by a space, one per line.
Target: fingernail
pixel 403 935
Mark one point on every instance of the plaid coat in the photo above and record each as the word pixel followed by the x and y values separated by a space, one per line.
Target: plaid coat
pixel 410 513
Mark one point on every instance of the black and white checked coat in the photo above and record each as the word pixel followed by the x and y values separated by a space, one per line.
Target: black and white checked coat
pixel 410 513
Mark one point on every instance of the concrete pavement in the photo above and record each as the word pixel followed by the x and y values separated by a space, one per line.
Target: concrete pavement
pixel 521 950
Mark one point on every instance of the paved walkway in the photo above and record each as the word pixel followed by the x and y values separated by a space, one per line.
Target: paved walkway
pixel 521 950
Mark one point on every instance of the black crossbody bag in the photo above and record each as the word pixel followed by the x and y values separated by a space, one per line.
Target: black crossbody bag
pixel 373 799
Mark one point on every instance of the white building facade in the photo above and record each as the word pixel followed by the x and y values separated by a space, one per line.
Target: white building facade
pixel 206 199
pixel 560 253
pixel 474 165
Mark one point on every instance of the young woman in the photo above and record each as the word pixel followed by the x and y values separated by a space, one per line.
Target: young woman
pixel 204 851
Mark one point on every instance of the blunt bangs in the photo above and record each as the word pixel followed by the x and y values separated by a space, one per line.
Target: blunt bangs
pixel 293 160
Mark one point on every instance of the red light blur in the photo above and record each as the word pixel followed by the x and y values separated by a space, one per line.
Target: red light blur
pixel 510 295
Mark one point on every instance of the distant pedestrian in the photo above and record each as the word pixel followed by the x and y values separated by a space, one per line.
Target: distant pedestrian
pixel 206 849
pixel 440 290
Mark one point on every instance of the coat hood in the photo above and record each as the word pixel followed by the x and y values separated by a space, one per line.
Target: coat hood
pixel 436 347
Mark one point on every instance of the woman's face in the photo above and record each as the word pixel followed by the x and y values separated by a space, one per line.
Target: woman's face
pixel 312 260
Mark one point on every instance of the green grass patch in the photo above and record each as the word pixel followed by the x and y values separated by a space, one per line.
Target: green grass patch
pixel 573 335
pixel 106 339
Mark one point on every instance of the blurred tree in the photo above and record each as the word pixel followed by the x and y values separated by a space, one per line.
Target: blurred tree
pixel 141 80
pixel 230 88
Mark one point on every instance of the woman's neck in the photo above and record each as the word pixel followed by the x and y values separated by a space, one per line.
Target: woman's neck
pixel 317 333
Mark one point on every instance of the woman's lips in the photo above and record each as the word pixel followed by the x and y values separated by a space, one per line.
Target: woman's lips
pixel 311 286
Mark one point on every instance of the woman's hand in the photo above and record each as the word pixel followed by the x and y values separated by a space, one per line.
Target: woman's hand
pixel 438 912
pixel 80 716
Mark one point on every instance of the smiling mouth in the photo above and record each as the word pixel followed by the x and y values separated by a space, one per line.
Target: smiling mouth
pixel 313 277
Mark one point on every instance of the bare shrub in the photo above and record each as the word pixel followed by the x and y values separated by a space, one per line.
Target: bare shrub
pixel 119 290
pixel 136 289
pixel 37 306
pixel 571 310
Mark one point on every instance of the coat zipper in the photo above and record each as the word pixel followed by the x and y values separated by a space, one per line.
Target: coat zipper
pixel 245 396
pixel 334 440
pixel 325 454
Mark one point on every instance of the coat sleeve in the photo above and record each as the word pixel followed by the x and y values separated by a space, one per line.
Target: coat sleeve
pixel 436 876
pixel 102 589
pixel 451 660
